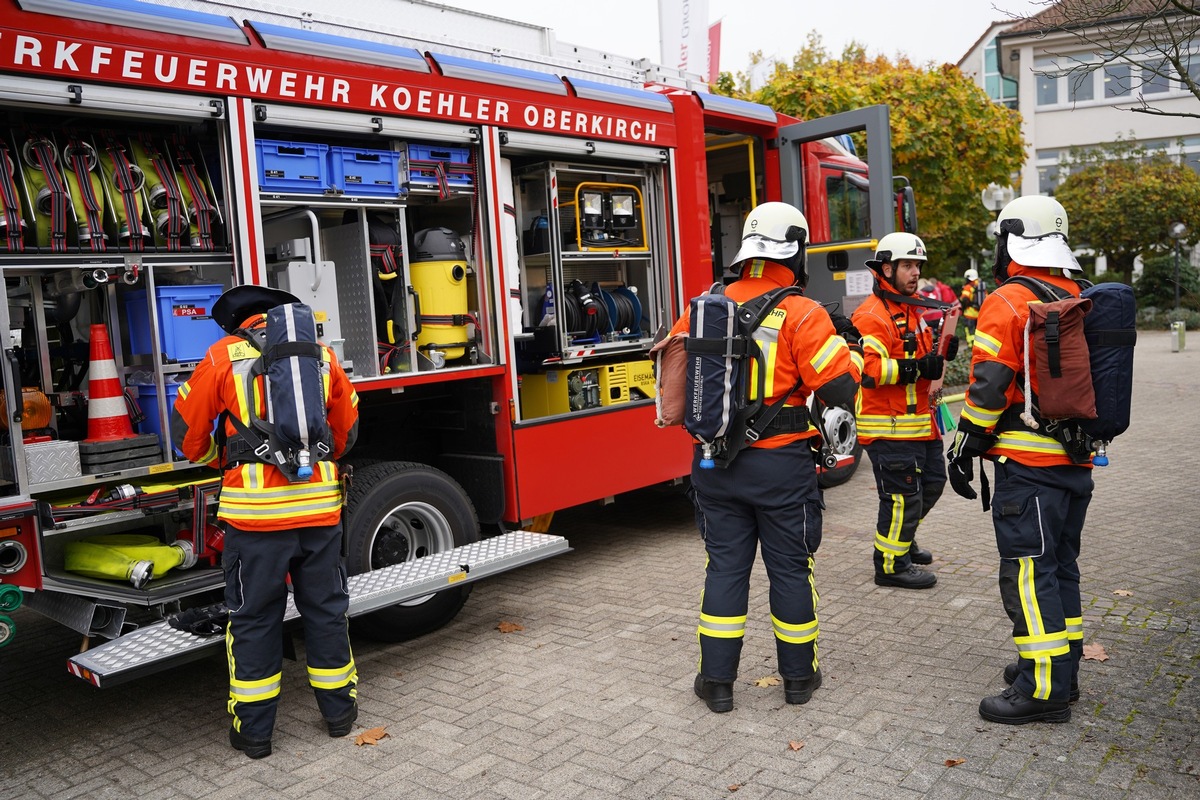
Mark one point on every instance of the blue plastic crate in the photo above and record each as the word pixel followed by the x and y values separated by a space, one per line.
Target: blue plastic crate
pixel 433 152
pixel 148 402
pixel 185 324
pixel 365 172
pixel 301 167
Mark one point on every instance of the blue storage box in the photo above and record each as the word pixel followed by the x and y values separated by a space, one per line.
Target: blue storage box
pixel 437 167
pixel 292 166
pixel 185 324
pixel 148 402
pixel 365 172
pixel 432 152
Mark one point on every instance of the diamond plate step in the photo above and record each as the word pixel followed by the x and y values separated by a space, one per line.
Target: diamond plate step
pixel 158 646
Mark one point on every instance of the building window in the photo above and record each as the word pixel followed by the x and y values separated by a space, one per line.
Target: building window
pixel 1047 81
pixel 1081 86
pixel 1116 80
pixel 1154 77
pixel 1000 88
pixel 1047 169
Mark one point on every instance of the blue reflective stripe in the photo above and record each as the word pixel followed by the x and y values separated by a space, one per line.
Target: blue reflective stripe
pixel 133 13
pixel 469 69
pixel 591 90
pixel 736 108
pixel 278 37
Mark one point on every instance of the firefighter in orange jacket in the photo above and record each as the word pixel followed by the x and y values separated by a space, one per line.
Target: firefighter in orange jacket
pixel 273 529
pixel 1042 492
pixel 894 419
pixel 769 493
pixel 971 298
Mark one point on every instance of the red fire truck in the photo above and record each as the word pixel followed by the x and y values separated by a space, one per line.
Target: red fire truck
pixel 490 238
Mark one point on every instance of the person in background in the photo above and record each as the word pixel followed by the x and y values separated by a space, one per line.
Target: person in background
pixel 973 293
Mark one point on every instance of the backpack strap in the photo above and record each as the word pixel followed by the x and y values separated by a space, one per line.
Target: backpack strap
pixel 1046 292
pixel 913 300
pixel 753 312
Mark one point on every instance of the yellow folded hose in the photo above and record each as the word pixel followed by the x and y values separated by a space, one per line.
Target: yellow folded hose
pixel 136 558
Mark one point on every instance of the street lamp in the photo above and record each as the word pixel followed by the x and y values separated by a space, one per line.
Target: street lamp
pixel 1177 231
pixel 995 197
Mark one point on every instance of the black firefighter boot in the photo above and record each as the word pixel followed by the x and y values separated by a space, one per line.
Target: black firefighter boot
pixel 717 696
pixel 1011 671
pixel 911 578
pixel 1011 707
pixel 919 556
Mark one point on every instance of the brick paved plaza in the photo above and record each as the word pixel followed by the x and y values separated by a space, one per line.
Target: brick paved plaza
pixel 593 698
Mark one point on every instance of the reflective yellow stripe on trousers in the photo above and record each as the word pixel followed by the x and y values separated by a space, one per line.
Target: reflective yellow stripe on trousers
pixel 1039 645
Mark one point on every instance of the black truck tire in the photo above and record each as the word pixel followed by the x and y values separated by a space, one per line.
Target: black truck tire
pixel 398 511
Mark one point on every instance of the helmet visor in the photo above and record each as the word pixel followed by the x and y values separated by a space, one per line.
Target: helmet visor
pixel 1050 252
pixel 757 246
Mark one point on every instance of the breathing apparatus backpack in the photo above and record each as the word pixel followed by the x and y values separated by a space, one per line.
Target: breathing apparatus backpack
pixel 295 433
pixel 719 408
pixel 1084 351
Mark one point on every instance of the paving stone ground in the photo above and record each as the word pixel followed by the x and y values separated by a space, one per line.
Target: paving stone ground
pixel 593 699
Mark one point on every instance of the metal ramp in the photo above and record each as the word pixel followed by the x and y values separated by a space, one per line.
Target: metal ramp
pixel 156 647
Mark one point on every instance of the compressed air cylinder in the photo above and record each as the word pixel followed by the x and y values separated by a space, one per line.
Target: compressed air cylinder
pixel 132 557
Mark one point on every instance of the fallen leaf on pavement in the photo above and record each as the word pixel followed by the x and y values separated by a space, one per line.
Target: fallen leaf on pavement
pixel 509 627
pixel 371 736
pixel 770 680
pixel 1094 652
pixel 794 745
pixel 1123 593
pixel 954 762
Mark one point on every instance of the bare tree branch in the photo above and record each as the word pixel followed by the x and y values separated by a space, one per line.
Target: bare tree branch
pixel 1159 41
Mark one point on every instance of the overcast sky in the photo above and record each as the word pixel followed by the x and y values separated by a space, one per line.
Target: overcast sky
pixel 926 30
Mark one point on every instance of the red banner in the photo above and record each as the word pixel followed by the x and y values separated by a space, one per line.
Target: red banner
pixel 714 51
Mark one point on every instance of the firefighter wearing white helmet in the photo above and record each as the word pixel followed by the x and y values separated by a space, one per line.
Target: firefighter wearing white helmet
pixel 1041 491
pixel 971 299
pixel 894 418
pixel 769 493
pixel 777 232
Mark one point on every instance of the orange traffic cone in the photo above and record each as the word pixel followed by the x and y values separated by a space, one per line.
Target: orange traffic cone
pixel 108 418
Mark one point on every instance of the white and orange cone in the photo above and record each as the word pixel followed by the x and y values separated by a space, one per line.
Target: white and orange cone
pixel 108 417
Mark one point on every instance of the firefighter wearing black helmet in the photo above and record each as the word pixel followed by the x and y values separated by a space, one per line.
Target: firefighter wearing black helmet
pixel 274 529
pixel 768 494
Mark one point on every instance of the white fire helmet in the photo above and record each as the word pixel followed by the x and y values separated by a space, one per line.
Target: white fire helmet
pixel 775 231
pixel 896 247
pixel 971 274
pixel 1032 231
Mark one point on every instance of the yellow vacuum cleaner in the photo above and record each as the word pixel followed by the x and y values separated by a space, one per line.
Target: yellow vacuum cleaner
pixel 136 558
pixel 439 278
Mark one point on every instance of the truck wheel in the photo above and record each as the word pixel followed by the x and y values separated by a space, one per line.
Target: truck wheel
pixel 842 435
pixel 402 511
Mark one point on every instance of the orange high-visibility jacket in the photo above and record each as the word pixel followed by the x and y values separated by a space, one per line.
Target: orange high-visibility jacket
pixel 967 299
pixel 887 409
pixel 806 346
pixel 998 365
pixel 257 496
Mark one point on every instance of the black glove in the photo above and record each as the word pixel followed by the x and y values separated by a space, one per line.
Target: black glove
pixel 930 367
pixel 969 442
pixel 952 349
pixel 845 328
pixel 206 621
pixel 908 370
